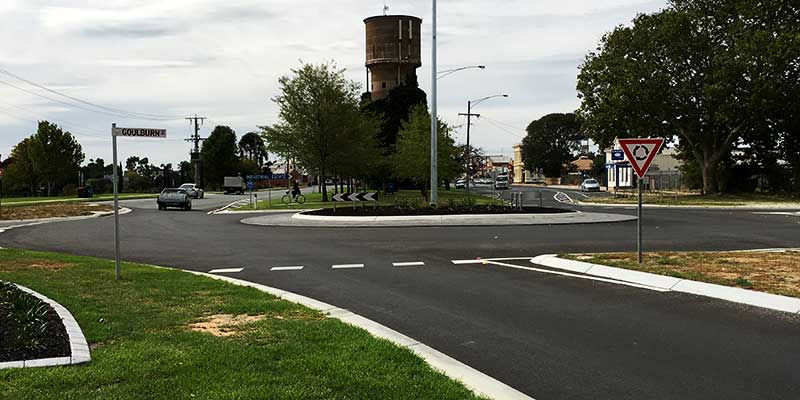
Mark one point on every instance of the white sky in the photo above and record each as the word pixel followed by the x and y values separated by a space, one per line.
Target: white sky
pixel 222 60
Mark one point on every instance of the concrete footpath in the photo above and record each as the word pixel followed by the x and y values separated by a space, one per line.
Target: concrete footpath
pixel 309 221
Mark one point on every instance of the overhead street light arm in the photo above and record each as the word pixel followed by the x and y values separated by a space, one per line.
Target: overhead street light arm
pixel 442 74
pixel 476 102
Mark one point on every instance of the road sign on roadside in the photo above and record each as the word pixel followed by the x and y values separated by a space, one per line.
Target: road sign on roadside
pixel 141 132
pixel 641 153
pixel 125 132
pixel 251 185
pixel 617 155
pixel 363 196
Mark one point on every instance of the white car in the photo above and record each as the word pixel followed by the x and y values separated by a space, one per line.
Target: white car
pixel 501 183
pixel 590 185
pixel 193 190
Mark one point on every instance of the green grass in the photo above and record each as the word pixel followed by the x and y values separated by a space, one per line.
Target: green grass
pixel 404 197
pixel 698 200
pixel 142 348
pixel 71 199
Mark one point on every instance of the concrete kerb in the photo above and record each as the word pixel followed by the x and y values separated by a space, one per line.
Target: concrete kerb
pixel 744 207
pixel 473 379
pixel 306 220
pixel 39 221
pixel 79 349
pixel 732 294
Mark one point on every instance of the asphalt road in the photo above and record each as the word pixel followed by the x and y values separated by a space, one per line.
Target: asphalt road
pixel 549 336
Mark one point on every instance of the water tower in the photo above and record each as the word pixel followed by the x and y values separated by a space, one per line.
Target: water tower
pixel 393 52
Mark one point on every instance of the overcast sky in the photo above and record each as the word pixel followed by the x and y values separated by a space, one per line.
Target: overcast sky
pixel 222 60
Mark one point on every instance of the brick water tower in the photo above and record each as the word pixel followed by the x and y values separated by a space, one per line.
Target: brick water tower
pixel 393 52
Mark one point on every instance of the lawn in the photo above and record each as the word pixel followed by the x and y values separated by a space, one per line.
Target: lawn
pixel 699 200
pixel 167 334
pixel 771 272
pixel 69 199
pixel 402 197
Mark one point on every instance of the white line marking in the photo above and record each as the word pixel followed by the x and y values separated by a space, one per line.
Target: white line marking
pixel 591 278
pixel 293 268
pixel 346 266
pixel 226 271
pixel 408 264
pixel 482 260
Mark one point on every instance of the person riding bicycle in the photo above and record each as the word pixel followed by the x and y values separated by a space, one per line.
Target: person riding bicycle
pixel 295 189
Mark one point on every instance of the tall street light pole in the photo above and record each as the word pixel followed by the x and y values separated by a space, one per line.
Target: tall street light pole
pixel 469 116
pixel 434 197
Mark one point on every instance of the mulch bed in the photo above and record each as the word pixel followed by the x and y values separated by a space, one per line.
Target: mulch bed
pixel 389 211
pixel 51 210
pixel 52 341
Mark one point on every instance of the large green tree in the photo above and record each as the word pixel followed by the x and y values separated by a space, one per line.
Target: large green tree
pixel 220 156
pixel 321 125
pixel 20 172
pixel 709 72
pixel 551 142
pixel 412 161
pixel 56 155
pixel 252 147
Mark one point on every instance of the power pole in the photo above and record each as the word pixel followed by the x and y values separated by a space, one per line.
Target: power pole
pixel 195 153
pixel 469 115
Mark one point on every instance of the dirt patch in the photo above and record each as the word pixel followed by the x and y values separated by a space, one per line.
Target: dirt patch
pixel 47 265
pixel 771 272
pixel 57 210
pixel 224 325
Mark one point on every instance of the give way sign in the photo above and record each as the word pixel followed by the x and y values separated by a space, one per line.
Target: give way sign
pixel 641 153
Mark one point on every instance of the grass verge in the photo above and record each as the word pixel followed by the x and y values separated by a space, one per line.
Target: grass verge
pixel 699 200
pixel 404 198
pixel 776 273
pixel 146 343
pixel 51 210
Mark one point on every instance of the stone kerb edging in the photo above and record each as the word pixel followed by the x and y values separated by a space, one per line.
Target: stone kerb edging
pixel 737 295
pixel 79 349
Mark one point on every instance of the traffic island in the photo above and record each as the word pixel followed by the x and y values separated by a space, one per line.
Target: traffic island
pixel 313 219
pixel 170 334
pixel 394 211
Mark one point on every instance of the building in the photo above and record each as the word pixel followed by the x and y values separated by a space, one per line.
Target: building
pixel 521 175
pixel 497 165
pixel 582 165
pixel 393 50
pixel 620 174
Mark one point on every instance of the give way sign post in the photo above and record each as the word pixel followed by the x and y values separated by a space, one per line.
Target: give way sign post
pixel 126 132
pixel 640 153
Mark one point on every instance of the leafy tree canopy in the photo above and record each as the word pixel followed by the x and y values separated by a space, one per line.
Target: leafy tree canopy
pixel 551 142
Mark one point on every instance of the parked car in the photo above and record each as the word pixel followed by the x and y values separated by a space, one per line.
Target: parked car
pixel 501 182
pixel 193 190
pixel 174 198
pixel 233 185
pixel 590 185
pixel 461 183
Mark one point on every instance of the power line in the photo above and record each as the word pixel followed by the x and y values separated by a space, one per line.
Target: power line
pixel 100 108
pixel 503 128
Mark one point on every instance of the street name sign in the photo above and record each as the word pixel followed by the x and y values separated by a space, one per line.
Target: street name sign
pixel 141 132
pixel 617 155
pixel 362 196
pixel 641 153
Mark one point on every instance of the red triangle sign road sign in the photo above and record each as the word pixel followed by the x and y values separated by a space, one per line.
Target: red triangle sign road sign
pixel 641 152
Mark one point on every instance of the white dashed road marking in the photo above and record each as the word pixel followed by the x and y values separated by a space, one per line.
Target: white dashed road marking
pixel 226 271
pixel 294 268
pixel 408 264
pixel 347 266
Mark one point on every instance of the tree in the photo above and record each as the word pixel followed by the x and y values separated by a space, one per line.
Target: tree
pixel 412 160
pixel 711 73
pixel 187 171
pixel 551 142
pixel 220 156
pixel 131 163
pixel 252 147
pixel 96 168
pixel 56 155
pixel 395 109
pixel 321 126
pixel 20 172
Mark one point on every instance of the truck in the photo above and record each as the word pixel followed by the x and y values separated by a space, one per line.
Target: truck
pixel 233 185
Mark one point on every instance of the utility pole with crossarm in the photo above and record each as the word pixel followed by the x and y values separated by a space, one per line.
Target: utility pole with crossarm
pixel 195 153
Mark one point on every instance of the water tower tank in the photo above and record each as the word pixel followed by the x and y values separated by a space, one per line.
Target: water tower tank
pixel 393 51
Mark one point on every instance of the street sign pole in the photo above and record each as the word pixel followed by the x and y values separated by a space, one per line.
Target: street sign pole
pixel 116 203
pixel 639 223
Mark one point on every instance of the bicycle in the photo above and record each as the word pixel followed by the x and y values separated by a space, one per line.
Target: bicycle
pixel 289 199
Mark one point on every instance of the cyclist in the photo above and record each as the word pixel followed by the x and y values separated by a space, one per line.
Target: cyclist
pixel 295 190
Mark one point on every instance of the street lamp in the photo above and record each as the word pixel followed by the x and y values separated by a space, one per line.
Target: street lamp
pixel 469 115
pixel 446 72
